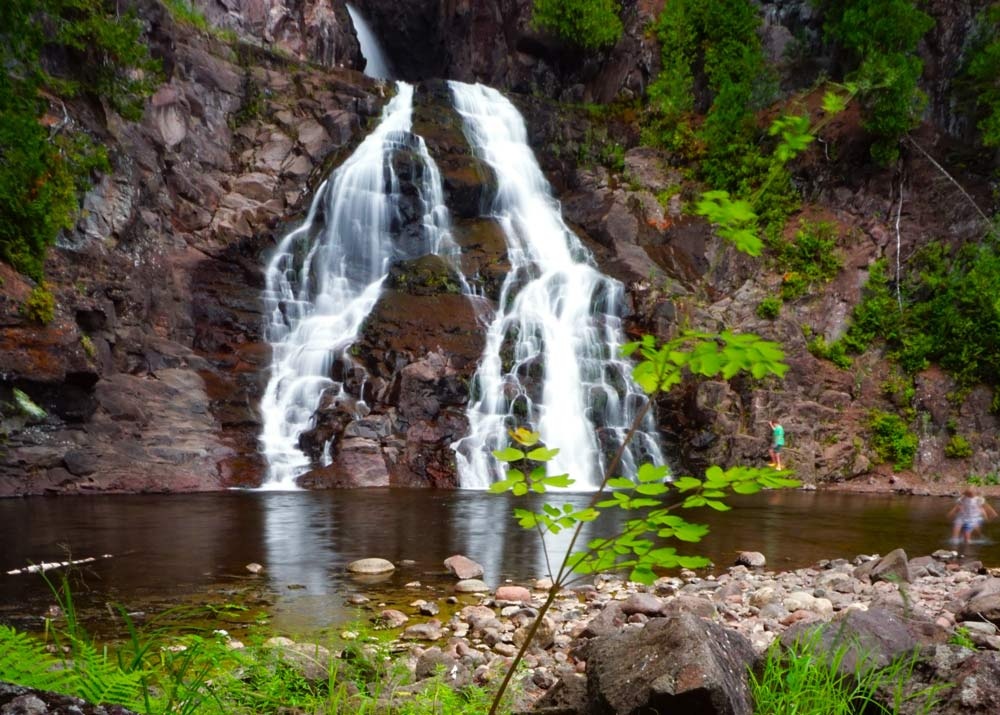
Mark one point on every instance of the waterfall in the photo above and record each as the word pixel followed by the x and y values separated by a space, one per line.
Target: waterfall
pixel 551 358
pixel 325 277
pixel 377 65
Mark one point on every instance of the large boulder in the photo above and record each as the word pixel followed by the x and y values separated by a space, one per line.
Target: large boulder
pixel 678 664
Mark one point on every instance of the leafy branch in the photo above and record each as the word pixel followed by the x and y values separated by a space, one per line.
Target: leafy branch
pixel 736 219
pixel 649 498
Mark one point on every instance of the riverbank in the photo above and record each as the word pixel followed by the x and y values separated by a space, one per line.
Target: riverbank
pixel 685 636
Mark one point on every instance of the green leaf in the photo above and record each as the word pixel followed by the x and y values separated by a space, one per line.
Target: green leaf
pixel 542 454
pixel 717 505
pixel 686 484
pixel 508 454
pixel 693 562
pixel 621 483
pixel 501 487
pixel 652 490
pixel 588 514
pixel 559 480
pixel 651 473
pixel 520 489
pixel 746 487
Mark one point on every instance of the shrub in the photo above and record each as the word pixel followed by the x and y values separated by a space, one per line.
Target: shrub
pixel 40 305
pixel 880 37
pixel 891 439
pixel 769 308
pixel 949 312
pixel 835 352
pixel 808 259
pixel 958 447
pixel 590 24
pixel 980 75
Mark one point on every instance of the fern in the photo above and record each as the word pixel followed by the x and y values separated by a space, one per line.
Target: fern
pixel 25 661
pixel 101 680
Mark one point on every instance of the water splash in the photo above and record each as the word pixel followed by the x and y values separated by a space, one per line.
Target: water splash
pixel 551 357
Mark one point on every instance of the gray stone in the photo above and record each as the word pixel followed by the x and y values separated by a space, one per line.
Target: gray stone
pixel 371 566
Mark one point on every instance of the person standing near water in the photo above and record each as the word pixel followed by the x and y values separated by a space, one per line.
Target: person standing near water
pixel 970 511
pixel 777 443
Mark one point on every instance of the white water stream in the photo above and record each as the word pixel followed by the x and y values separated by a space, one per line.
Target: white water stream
pixel 551 358
pixel 326 275
pixel 377 64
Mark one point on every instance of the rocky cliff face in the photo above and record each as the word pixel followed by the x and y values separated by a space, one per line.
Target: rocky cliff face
pixel 151 372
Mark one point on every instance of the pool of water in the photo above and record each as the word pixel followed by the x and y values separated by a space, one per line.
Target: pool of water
pixel 194 548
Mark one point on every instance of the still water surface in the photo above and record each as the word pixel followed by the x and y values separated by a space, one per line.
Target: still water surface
pixel 180 548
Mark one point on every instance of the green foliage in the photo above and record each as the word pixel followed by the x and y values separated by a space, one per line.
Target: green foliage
pixel 88 346
pixel 159 670
pixel 880 37
pixel 27 407
pixel 835 352
pixel 43 169
pixel 985 480
pixel 811 258
pixel 877 315
pixel 981 74
pixel 183 11
pixel 769 308
pixel 950 314
pixel 590 24
pixel 646 496
pixel 891 439
pixel 26 661
pixel 808 679
pixel 770 195
pixel 958 447
pixel 40 305
pixel 962 637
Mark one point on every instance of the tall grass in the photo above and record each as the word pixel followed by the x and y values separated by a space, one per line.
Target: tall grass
pixel 808 679
pixel 162 669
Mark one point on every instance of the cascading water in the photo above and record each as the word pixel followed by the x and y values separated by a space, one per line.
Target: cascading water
pixel 551 357
pixel 376 65
pixel 325 277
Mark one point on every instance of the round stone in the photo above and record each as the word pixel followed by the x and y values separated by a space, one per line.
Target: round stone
pixel 370 566
pixel 471 585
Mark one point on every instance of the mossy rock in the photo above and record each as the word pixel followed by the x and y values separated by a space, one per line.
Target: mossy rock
pixel 427 275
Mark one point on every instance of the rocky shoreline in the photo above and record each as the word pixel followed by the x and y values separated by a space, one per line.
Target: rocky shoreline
pixel 891 605
pixel 686 641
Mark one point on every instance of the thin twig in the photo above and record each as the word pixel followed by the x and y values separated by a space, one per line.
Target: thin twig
pixel 950 178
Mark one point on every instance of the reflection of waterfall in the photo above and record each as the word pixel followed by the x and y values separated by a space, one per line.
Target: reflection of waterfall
pixel 551 353
pixel 377 65
pixel 325 277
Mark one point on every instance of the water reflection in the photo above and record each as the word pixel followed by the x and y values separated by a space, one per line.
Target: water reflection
pixel 173 547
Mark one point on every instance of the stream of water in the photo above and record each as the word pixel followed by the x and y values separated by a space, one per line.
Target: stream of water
pixel 194 548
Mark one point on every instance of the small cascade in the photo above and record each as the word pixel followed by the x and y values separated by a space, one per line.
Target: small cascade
pixel 377 64
pixel 551 360
pixel 325 277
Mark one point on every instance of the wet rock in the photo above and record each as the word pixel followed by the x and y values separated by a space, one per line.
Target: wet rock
pixel 471 585
pixel 682 662
pixel 370 566
pixel 463 567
